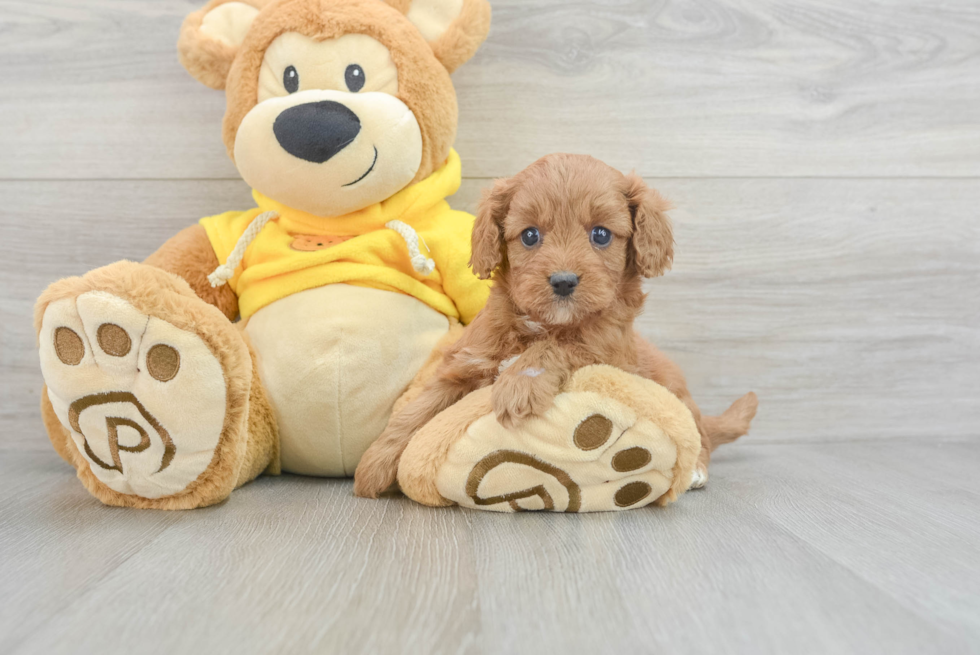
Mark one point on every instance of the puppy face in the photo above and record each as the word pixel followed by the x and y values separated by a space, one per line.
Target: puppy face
pixel 566 233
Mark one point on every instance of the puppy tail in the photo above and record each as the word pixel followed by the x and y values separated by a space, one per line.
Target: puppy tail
pixel 733 423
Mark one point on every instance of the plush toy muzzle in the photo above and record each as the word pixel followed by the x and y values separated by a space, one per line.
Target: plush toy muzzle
pixel 329 152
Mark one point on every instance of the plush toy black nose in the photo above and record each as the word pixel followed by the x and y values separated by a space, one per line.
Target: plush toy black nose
pixel 563 283
pixel 316 131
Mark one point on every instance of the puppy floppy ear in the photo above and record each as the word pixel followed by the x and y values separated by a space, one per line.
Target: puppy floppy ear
pixel 210 38
pixel 488 229
pixel 453 28
pixel 652 242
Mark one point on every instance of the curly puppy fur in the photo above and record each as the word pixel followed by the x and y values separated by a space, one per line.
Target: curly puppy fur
pixel 548 331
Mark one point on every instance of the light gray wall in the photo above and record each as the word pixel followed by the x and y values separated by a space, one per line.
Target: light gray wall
pixel 823 156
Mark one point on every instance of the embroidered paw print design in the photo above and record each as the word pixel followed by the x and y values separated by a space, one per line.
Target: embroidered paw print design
pixel 606 459
pixel 112 425
pixel 144 401
pixel 539 492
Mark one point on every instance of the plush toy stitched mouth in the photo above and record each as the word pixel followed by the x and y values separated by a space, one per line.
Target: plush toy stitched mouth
pixel 368 172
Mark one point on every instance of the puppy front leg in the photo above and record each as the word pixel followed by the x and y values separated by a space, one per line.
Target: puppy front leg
pixel 461 372
pixel 528 387
pixel 378 467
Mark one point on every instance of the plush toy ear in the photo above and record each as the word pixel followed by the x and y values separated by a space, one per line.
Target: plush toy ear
pixel 210 37
pixel 652 242
pixel 488 229
pixel 454 28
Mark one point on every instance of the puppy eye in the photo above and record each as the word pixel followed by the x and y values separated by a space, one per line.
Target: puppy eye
pixel 530 237
pixel 354 76
pixel 290 79
pixel 601 237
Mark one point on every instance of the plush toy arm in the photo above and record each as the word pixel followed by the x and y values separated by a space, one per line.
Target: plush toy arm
pixel 189 254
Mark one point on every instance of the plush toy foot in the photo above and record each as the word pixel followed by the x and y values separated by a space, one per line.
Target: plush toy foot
pixel 611 441
pixel 150 383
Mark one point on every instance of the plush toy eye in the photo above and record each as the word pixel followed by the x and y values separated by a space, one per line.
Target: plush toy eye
pixel 354 76
pixel 290 79
pixel 530 236
pixel 601 237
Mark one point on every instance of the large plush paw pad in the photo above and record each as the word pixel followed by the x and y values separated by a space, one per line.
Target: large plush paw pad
pixel 143 400
pixel 586 453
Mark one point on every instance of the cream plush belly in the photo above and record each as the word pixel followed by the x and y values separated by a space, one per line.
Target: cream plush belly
pixel 334 360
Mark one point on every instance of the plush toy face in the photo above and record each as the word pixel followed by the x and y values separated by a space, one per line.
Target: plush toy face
pixel 329 113
pixel 334 105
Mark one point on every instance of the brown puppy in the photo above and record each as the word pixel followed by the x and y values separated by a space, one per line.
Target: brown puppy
pixel 569 240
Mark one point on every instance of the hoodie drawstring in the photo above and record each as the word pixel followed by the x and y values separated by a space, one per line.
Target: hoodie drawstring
pixel 227 270
pixel 420 262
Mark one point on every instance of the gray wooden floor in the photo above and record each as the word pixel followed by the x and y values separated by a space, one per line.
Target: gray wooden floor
pixel 799 548
pixel 824 157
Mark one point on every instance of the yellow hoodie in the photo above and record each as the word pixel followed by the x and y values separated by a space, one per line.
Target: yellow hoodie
pixel 299 251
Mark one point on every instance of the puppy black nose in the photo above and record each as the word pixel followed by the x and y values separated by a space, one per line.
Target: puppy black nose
pixel 563 283
pixel 316 131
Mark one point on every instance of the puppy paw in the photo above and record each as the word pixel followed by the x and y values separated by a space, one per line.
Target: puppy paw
pixel 520 395
pixel 699 477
